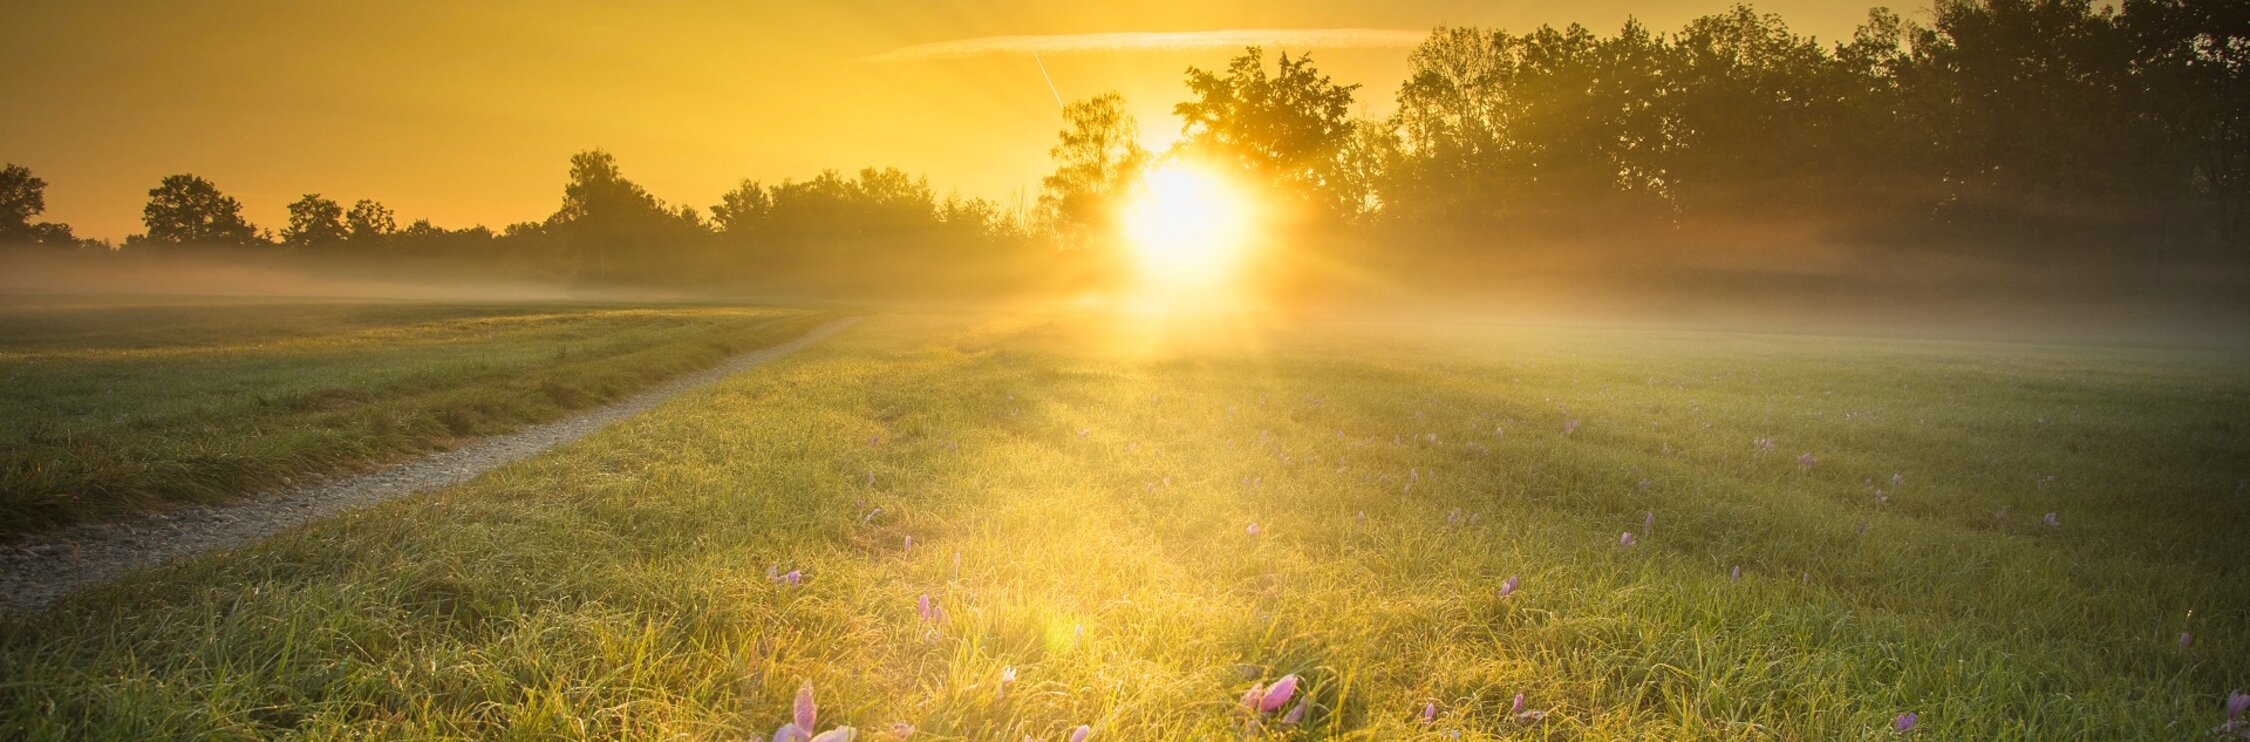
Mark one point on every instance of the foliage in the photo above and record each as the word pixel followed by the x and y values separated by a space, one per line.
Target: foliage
pixel 1286 129
pixel 188 210
pixel 1097 161
pixel 314 221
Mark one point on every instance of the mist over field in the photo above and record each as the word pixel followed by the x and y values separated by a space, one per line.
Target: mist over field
pixel 1087 372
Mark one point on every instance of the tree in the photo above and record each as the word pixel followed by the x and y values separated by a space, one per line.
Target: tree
pixel 185 209
pixel 22 196
pixel 370 221
pixel 742 209
pixel 1286 128
pixel 1096 163
pixel 613 226
pixel 314 221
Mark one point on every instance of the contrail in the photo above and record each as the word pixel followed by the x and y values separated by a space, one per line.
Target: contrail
pixel 1050 78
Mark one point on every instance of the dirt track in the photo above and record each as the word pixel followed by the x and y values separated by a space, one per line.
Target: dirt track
pixel 35 574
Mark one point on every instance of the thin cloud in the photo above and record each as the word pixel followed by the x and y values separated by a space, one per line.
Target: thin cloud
pixel 1096 43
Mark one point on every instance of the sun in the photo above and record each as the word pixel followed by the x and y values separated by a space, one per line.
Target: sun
pixel 1188 227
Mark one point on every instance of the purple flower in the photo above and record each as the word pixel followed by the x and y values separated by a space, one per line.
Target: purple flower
pixel 1508 587
pixel 1007 678
pixel 1253 529
pixel 794 577
pixel 922 606
pixel 2051 521
pixel 1737 572
pixel 1648 522
pixel 1897 479
pixel 1278 694
pixel 805 711
pixel 2237 702
pixel 1626 539
pixel 1429 712
pixel 1905 722
pixel 1297 713
pixel 1762 445
pixel 1526 716
pixel 909 543
pixel 1805 460
pixel 1250 699
pixel 1080 734
pixel 799 729
pixel 2186 639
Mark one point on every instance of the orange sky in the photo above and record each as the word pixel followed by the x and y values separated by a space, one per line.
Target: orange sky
pixel 465 113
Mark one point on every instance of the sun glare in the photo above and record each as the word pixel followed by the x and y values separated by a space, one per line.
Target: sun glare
pixel 1188 227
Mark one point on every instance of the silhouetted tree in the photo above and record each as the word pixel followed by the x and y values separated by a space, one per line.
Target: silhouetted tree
pixel 314 221
pixel 370 222
pixel 1287 128
pixel 1097 161
pixel 613 228
pixel 22 196
pixel 185 209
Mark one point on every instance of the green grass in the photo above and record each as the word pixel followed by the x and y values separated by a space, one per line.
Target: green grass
pixel 1081 513
pixel 114 409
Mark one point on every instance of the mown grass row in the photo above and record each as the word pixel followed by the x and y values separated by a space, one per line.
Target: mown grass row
pixel 161 405
pixel 1084 517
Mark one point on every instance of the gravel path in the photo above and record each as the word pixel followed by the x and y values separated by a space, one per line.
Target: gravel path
pixel 39 571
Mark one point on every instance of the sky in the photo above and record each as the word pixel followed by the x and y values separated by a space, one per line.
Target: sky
pixel 467 113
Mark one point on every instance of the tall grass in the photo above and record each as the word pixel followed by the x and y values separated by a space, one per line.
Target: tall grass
pixel 117 409
pixel 1083 517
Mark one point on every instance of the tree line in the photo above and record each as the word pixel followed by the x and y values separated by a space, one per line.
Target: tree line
pixel 2013 132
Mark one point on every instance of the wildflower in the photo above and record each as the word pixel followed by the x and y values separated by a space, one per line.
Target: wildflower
pixel 799 728
pixel 1761 445
pixel 1429 711
pixel 909 543
pixel 1508 587
pixel 1278 694
pixel 2237 702
pixel 2051 521
pixel 1569 426
pixel 1737 574
pixel 1080 734
pixel 2186 639
pixel 1897 479
pixel 1007 678
pixel 1296 713
pixel 1256 694
pixel 902 730
pixel 1526 716
pixel 1648 522
pixel 930 612
pixel 794 577
pixel 1253 529
pixel 1453 517
pixel 1905 722
pixel 1805 460
pixel 1626 539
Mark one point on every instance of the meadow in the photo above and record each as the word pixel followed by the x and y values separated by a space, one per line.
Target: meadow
pixel 117 407
pixel 991 527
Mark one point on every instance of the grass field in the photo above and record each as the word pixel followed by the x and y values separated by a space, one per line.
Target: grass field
pixel 1142 536
pixel 114 408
